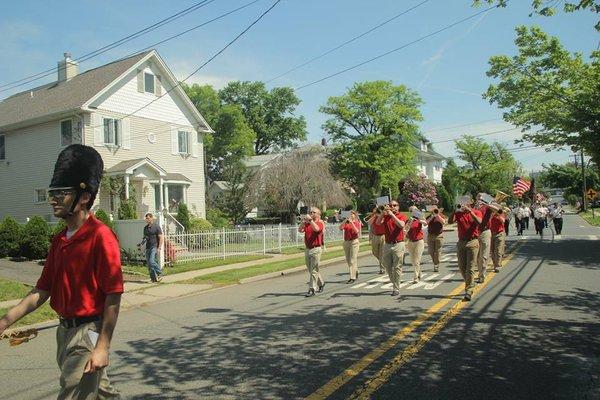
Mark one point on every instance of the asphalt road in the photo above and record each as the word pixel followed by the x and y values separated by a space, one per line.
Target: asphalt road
pixel 533 331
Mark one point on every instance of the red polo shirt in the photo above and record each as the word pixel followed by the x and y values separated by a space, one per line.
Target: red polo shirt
pixel 416 230
pixel 349 233
pixel 81 271
pixel 467 227
pixel 435 227
pixel 377 229
pixel 312 238
pixel 486 213
pixel 393 233
pixel 497 224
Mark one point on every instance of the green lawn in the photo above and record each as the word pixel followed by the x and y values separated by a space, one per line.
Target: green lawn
pixel 236 275
pixel 193 265
pixel 10 290
pixel 44 313
pixel 588 217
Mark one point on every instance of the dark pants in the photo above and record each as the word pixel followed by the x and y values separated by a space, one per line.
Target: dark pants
pixel 506 226
pixel 526 223
pixel 558 223
pixel 519 223
pixel 539 225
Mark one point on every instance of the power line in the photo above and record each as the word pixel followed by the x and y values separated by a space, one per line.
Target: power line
pixel 347 42
pixel 396 49
pixel 480 135
pixel 461 126
pixel 110 46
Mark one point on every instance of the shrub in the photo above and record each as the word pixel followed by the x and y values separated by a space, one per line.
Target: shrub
pixel 183 216
pixel 572 199
pixel 36 238
pixel 60 226
pixel 103 216
pixel 199 225
pixel 11 234
pixel 419 191
pixel 446 201
pixel 217 218
pixel 127 210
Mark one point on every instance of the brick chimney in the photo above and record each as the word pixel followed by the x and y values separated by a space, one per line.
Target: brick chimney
pixel 67 68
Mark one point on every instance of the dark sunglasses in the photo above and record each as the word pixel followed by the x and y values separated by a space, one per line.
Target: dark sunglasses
pixel 59 193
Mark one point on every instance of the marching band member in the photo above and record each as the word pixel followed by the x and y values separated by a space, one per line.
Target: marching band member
pixel 376 237
pixel 351 227
pixel 498 238
pixel 435 236
pixel 485 238
pixel 313 229
pixel 415 244
pixel 393 249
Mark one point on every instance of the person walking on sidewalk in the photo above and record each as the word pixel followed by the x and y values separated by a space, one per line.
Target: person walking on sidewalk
pixel 351 227
pixel 485 239
pixel 82 278
pixel 393 249
pixel 154 240
pixel 313 229
pixel 467 223
pixel 435 237
pixel 376 237
pixel 416 244
pixel 497 227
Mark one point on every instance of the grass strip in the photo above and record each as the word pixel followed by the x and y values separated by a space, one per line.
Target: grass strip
pixel 194 265
pixel 11 290
pixel 44 313
pixel 236 275
pixel 588 217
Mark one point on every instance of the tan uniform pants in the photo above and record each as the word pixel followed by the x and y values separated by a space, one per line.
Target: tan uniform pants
pixel 415 250
pixel 485 244
pixel 467 252
pixel 392 261
pixel 434 247
pixel 377 242
pixel 312 257
pixel 498 241
pixel 74 349
pixel 351 252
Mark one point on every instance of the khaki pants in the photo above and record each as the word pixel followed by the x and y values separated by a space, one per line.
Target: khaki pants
pixel 351 252
pixel 392 261
pixel 74 349
pixel 485 243
pixel 434 247
pixel 312 257
pixel 377 242
pixel 416 251
pixel 467 252
pixel 498 241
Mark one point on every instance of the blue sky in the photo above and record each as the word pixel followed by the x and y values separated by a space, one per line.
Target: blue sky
pixel 447 70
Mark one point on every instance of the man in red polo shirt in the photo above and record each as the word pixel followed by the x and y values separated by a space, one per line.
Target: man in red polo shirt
pixel 376 237
pixel 393 248
pixel 313 229
pixel 82 277
pixel 467 222
pixel 485 238
pixel 497 226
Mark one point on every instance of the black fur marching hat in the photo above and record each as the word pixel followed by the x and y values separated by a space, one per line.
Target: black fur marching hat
pixel 80 167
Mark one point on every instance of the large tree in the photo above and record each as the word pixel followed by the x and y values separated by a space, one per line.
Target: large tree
pixel 488 167
pixel 235 202
pixel 553 95
pixel 270 114
pixel 567 176
pixel 373 127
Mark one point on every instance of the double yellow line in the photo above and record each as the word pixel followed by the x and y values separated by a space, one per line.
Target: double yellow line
pixel 383 375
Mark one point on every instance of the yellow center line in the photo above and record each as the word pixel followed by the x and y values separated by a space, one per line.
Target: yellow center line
pixel 345 376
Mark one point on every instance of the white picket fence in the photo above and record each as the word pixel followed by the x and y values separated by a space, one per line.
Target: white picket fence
pixel 225 243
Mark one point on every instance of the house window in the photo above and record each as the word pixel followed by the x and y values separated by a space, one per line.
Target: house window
pixel 148 83
pixel 176 196
pixel 112 133
pixel 2 148
pixel 40 196
pixel 66 132
pixel 183 142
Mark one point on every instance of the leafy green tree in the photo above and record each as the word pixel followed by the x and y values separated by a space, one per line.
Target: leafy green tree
pixel 548 8
pixel 103 216
pixel 127 209
pixel 568 177
pixel 206 100
pixel 552 95
pixel 270 114
pixel 452 181
pixel 183 216
pixel 487 167
pixel 235 201
pixel 36 238
pixel 372 128
pixel 11 235
pixel 217 218
pixel 446 199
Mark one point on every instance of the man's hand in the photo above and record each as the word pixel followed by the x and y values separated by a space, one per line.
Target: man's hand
pixel 3 326
pixel 98 360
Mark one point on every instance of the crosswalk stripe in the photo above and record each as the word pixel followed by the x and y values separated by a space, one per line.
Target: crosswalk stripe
pixel 423 282
pixel 433 285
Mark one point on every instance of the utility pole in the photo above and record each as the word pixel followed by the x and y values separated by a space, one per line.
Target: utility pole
pixel 584 183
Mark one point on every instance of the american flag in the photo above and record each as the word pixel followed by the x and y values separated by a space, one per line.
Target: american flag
pixel 520 186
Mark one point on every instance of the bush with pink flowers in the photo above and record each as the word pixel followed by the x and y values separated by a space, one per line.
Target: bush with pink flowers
pixel 419 191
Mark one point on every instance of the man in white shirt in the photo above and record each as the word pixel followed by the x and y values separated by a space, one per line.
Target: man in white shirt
pixel 539 214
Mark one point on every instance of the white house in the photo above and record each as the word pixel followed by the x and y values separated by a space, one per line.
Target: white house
pixel 132 111
pixel 429 162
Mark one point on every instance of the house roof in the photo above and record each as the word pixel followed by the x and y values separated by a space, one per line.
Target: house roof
pixel 177 177
pixel 62 97
pixel 223 185
pixel 259 161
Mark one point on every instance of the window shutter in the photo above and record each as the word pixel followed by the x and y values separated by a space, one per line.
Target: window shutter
pixel 192 138
pixel 174 141
pixel 140 81
pixel 98 128
pixel 126 133
pixel 157 85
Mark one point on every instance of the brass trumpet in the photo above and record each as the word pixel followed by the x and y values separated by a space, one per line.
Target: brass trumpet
pixel 500 196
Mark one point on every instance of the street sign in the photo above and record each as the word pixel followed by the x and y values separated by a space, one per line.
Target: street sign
pixel 591 194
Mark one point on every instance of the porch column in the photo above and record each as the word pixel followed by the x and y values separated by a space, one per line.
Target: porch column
pixel 161 204
pixel 167 201
pixel 127 186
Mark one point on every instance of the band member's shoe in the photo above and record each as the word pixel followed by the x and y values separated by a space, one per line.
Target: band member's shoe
pixel 381 272
pixel 321 288
pixel 350 281
pixel 467 297
pixel 436 268
pixel 311 292
pixel 395 293
pixel 496 270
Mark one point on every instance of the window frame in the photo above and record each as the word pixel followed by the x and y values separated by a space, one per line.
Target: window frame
pixel 146 75
pixel 62 143
pixel 3 156
pixel 186 135
pixel 116 131
pixel 36 197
